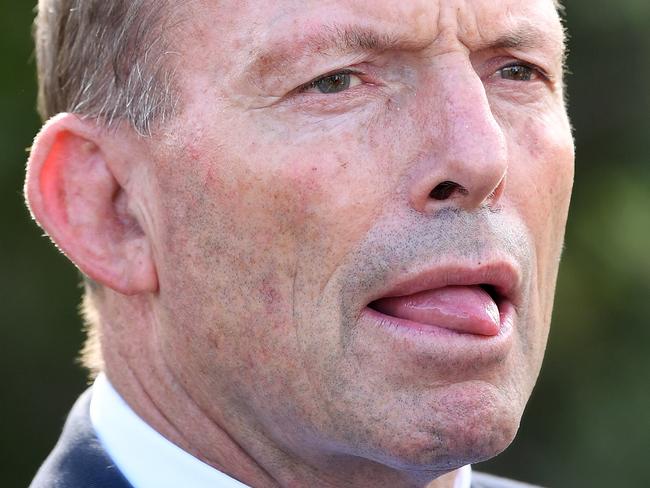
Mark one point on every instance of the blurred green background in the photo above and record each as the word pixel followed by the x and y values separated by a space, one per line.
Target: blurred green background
pixel 588 422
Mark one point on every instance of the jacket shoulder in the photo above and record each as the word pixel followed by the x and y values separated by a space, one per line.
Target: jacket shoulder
pixel 483 480
pixel 78 459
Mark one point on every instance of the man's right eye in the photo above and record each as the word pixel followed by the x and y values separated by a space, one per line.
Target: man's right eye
pixel 333 83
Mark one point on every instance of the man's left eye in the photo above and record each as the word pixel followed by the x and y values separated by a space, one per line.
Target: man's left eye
pixel 518 72
pixel 334 83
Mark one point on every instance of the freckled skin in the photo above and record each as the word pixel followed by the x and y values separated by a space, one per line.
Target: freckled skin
pixel 274 219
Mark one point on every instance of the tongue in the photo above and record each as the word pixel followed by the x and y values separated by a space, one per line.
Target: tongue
pixel 466 309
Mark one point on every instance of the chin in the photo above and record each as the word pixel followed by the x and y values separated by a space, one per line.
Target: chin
pixel 470 423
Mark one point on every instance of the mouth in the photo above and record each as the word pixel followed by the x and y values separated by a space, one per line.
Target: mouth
pixel 477 302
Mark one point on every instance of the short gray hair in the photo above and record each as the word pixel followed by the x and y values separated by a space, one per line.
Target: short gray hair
pixel 103 59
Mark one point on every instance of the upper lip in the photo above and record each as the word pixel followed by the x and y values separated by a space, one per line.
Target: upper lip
pixel 501 279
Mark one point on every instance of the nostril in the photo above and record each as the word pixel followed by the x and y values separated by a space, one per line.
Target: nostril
pixel 446 189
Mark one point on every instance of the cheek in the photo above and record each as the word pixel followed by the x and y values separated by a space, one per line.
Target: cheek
pixel 541 176
pixel 330 195
pixel 539 185
pixel 244 217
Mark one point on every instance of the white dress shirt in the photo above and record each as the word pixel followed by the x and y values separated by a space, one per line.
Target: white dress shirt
pixel 148 460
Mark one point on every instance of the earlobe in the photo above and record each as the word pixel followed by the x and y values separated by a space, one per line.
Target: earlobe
pixel 75 196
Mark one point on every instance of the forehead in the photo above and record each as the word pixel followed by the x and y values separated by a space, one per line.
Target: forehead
pixel 422 20
pixel 246 41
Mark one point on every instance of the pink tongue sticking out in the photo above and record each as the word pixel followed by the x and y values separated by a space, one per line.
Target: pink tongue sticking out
pixel 466 309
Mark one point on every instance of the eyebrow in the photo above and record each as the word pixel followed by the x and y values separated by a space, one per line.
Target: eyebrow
pixel 528 36
pixel 337 39
pixel 328 40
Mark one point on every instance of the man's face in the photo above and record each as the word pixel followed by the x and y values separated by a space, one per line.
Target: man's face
pixel 319 288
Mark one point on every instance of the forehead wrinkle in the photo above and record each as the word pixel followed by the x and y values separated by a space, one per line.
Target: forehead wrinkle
pixel 349 39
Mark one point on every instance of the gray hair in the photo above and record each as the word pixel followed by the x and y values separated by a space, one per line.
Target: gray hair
pixel 103 59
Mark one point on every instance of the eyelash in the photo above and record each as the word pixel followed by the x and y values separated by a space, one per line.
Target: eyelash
pixel 314 83
pixel 536 71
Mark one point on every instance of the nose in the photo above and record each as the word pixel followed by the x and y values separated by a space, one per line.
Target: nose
pixel 464 160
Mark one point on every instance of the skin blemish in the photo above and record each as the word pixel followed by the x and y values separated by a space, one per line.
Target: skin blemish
pixel 269 294
pixel 212 178
pixel 194 153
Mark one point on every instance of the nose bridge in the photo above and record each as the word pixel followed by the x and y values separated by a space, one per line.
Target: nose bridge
pixel 468 149
pixel 467 124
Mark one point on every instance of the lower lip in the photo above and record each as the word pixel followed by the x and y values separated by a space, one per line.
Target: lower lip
pixel 431 335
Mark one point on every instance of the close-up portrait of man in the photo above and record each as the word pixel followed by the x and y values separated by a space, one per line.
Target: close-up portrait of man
pixel 319 240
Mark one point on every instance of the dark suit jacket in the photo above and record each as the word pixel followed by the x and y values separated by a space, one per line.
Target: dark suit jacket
pixel 79 460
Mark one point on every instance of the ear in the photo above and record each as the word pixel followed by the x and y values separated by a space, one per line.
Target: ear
pixel 73 192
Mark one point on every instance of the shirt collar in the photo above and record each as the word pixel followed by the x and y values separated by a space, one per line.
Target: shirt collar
pixel 464 477
pixel 147 459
